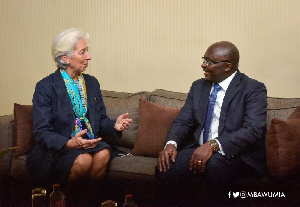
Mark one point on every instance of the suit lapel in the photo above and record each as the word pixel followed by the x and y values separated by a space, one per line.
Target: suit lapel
pixel 233 89
pixel 90 101
pixel 201 100
pixel 63 97
pixel 205 100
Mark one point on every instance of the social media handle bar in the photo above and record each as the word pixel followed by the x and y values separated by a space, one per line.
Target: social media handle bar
pixel 253 194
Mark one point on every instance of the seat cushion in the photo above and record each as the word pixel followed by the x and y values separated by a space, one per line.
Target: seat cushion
pixel 19 169
pixel 134 164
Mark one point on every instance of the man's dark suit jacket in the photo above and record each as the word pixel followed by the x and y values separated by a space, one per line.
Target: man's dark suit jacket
pixel 242 123
pixel 53 115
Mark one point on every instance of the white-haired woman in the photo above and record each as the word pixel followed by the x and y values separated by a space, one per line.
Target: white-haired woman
pixel 69 118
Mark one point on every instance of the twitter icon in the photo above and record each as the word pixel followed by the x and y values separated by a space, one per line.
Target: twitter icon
pixel 235 194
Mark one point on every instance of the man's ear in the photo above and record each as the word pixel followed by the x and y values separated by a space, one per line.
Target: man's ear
pixel 65 58
pixel 228 67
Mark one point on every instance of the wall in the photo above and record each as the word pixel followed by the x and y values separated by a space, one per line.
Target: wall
pixel 147 44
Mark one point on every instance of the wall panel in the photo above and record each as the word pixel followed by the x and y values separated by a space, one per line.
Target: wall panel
pixel 148 44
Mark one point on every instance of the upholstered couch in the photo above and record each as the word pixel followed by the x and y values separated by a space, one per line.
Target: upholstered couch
pixel 133 170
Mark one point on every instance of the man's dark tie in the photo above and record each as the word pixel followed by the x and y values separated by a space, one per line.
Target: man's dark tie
pixel 210 109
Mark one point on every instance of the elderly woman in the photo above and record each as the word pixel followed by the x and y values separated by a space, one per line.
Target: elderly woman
pixel 69 118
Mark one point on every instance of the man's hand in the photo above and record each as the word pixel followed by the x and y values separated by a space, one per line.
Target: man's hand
pixel 122 122
pixel 200 157
pixel 78 142
pixel 163 157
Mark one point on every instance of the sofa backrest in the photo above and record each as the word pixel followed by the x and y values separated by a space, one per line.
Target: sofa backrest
pixel 118 102
pixel 281 108
pixel 167 98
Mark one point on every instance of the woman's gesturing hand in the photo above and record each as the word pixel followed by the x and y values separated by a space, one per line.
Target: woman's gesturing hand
pixel 122 122
pixel 78 142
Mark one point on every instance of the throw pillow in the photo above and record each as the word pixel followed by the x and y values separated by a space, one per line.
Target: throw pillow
pixel 154 123
pixel 282 146
pixel 23 129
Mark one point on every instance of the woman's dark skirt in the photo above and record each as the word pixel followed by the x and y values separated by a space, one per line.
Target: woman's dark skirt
pixel 48 166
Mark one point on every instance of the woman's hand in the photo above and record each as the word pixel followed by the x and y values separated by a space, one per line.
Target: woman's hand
pixel 122 122
pixel 78 142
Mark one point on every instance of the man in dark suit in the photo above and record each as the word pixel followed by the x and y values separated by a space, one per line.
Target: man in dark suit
pixel 223 143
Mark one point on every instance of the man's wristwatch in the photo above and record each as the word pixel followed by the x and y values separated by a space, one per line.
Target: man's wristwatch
pixel 214 144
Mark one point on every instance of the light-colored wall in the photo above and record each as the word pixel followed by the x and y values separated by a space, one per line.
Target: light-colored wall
pixel 147 44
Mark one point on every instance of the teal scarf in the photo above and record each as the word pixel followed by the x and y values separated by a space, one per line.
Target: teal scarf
pixel 80 109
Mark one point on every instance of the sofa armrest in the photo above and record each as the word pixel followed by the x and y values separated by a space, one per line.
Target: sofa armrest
pixel 6 141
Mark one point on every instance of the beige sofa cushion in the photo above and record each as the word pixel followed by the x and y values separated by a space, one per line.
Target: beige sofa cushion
pixel 134 164
pixel 281 108
pixel 118 103
pixel 167 98
pixel 19 169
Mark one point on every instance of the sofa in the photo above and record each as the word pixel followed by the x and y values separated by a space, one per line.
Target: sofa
pixel 135 155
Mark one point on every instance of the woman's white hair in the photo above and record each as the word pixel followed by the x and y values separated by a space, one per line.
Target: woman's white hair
pixel 64 44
